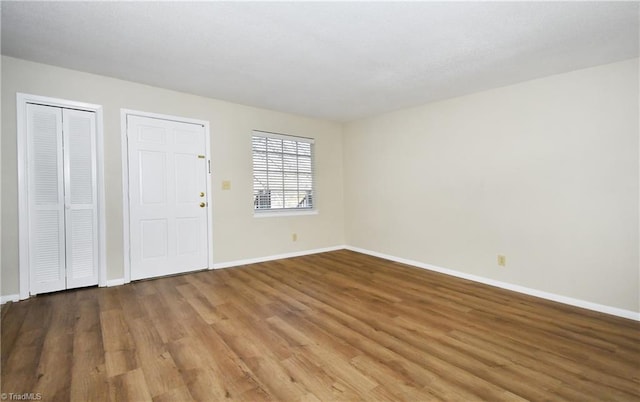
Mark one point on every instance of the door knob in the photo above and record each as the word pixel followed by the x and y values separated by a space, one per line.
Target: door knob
pixel 202 204
pixel 201 194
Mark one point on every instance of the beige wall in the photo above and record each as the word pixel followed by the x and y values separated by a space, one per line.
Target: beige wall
pixel 237 234
pixel 545 172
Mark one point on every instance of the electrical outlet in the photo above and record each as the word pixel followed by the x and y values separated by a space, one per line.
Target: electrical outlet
pixel 294 237
pixel 502 260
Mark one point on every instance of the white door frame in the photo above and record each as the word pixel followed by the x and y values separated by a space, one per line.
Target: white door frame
pixel 125 184
pixel 23 201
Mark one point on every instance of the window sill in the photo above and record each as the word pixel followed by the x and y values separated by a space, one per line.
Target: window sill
pixel 273 214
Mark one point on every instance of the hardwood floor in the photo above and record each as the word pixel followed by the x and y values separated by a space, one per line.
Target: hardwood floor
pixel 332 326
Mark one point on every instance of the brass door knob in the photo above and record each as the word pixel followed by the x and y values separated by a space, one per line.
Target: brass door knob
pixel 202 204
pixel 201 194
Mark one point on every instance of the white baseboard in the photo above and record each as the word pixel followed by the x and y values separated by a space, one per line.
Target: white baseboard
pixel 504 285
pixel 509 286
pixel 236 263
pixel 9 298
pixel 115 282
pixel 229 264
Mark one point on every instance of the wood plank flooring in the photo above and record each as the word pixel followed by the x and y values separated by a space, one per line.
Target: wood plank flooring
pixel 325 327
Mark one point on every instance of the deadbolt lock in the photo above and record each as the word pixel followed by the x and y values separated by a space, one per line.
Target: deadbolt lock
pixel 201 194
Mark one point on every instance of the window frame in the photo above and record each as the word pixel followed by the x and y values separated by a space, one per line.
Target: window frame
pixel 312 194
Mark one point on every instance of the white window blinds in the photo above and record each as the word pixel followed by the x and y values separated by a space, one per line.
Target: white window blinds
pixel 282 172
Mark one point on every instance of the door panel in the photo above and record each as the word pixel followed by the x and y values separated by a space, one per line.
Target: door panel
pixel 46 252
pixel 188 236
pixel 81 207
pixel 46 201
pixel 153 170
pixel 81 255
pixel 168 227
pixel 187 184
pixel 153 235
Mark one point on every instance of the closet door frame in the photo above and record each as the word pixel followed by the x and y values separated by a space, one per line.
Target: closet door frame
pixel 22 100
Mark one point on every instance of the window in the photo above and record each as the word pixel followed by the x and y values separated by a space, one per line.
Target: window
pixel 282 172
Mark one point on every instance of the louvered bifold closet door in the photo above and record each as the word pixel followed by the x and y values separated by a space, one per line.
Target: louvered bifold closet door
pixel 81 214
pixel 46 199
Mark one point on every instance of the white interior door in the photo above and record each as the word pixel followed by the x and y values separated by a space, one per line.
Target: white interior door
pixel 167 200
pixel 62 198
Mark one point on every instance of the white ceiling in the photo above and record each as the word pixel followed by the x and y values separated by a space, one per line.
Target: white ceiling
pixel 333 60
